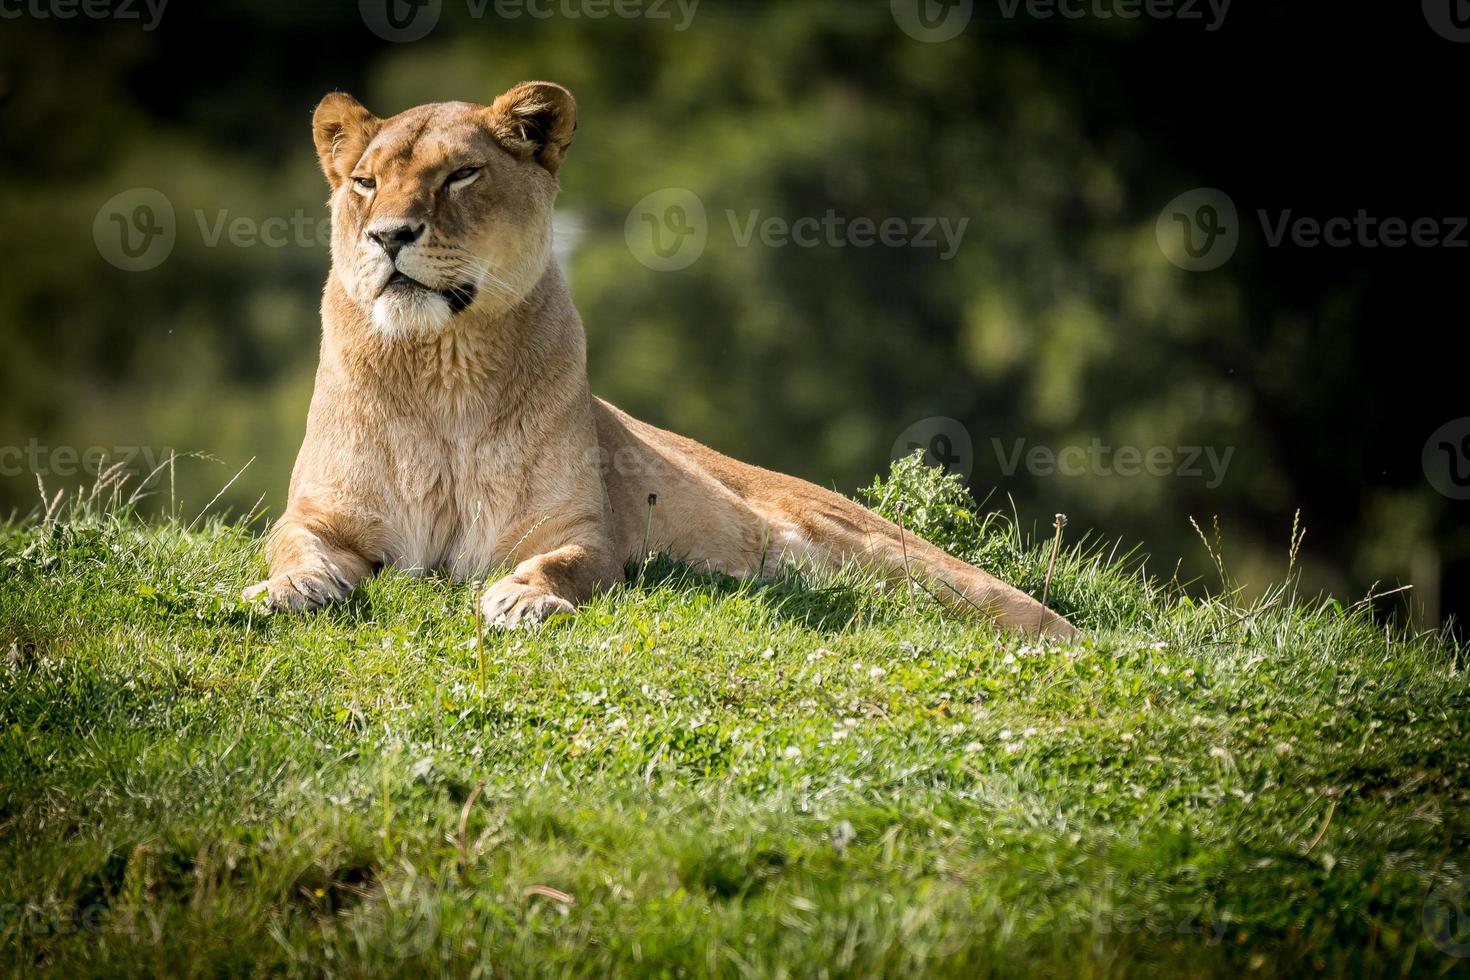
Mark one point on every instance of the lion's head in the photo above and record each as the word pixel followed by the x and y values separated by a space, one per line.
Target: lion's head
pixel 443 210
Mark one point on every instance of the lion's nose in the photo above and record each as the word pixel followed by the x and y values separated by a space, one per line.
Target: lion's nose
pixel 393 235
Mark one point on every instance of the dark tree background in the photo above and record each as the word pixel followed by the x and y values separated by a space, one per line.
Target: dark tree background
pixel 1057 322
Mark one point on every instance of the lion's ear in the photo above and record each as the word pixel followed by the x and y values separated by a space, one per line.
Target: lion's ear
pixel 342 129
pixel 535 119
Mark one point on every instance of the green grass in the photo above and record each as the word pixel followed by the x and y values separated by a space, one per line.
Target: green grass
pixel 808 777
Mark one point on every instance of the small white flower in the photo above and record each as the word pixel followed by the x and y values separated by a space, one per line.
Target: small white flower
pixel 1005 734
pixel 877 672
pixel 768 654
pixel 792 752
pixel 1126 736
pixel 973 747
pixel 951 674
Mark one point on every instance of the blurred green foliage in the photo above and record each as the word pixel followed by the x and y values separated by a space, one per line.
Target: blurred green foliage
pixel 1057 321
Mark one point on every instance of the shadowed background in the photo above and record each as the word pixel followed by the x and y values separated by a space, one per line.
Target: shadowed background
pixel 1057 322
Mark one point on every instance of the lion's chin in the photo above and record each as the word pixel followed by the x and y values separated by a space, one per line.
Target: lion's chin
pixel 399 312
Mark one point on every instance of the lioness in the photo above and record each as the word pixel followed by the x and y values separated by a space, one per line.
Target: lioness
pixel 451 426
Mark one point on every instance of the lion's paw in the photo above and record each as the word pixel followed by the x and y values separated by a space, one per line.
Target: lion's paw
pixel 509 604
pixel 292 593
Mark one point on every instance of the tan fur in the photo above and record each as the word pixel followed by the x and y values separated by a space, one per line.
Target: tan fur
pixel 467 440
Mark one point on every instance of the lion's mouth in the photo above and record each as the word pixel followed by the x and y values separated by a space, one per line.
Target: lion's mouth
pixel 399 279
pixel 458 295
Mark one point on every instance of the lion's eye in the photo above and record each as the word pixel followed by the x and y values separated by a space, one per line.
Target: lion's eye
pixel 461 176
pixel 364 185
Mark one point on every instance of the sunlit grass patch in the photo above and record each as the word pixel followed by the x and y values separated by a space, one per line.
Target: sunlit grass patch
pixel 811 775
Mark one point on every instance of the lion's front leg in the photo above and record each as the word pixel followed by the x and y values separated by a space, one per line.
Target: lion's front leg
pixel 555 582
pixel 310 567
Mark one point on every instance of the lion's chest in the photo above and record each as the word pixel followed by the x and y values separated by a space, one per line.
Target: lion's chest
pixel 452 489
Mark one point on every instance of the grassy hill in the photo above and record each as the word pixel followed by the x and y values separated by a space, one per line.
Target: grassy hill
pixel 807 777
